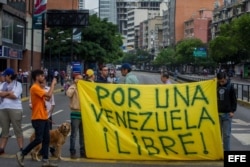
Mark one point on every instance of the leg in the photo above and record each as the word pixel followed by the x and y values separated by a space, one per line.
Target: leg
pixel 16 121
pixel 74 128
pixel 45 142
pixel 5 124
pixel 226 123
pixel 81 140
pixel 39 126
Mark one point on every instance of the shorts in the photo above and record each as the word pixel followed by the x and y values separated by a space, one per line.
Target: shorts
pixel 11 116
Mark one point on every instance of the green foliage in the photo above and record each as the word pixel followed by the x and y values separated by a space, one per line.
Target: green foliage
pixel 165 57
pixel 138 57
pixel 222 49
pixel 100 42
pixel 232 44
pixel 185 48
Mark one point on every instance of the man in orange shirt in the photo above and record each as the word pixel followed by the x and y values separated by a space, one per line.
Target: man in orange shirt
pixel 39 118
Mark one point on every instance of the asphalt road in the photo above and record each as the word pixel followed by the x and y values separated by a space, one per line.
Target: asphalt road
pixel 240 137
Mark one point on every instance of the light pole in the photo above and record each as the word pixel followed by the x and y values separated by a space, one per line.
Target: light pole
pixel 59 68
pixel 49 71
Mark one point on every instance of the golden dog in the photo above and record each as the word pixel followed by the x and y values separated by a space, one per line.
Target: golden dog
pixel 57 139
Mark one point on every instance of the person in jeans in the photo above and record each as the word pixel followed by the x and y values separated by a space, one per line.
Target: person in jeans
pixel 76 119
pixel 50 105
pixel 227 104
pixel 39 118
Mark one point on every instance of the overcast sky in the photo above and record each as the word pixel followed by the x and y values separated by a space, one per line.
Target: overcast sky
pixel 91 4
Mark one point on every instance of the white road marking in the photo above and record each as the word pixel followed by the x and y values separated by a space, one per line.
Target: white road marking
pixel 240 122
pixel 244 138
pixel 57 112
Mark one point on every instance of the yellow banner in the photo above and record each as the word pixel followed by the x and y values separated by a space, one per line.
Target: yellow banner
pixel 151 122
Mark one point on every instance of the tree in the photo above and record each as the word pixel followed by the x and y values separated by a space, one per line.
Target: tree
pixel 222 49
pixel 232 44
pixel 101 42
pixel 165 57
pixel 185 49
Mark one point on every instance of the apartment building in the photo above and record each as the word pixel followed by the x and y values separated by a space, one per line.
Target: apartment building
pixel 135 17
pixel 198 26
pixel 178 12
pixel 225 12
pixel 123 6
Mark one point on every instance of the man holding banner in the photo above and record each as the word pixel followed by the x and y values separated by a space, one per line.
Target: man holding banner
pixel 227 104
pixel 76 120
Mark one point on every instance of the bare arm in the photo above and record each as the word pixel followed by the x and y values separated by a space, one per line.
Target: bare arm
pixel 52 87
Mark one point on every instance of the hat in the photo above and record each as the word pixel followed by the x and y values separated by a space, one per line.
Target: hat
pixel 89 72
pixel 8 71
pixel 126 66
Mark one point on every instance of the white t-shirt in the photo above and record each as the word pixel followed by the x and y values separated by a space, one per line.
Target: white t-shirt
pixel 17 89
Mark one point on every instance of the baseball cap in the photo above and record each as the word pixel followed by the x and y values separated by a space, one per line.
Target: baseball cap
pixel 126 66
pixel 8 71
pixel 90 72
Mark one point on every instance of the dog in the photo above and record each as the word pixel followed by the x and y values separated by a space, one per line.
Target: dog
pixel 57 139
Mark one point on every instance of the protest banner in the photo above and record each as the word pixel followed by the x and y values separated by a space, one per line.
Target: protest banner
pixel 151 122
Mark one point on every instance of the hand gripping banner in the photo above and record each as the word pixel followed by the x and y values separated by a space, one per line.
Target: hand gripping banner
pixel 151 122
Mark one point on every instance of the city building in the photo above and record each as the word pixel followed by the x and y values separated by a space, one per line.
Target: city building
pixel 81 4
pixel 178 12
pixel 107 10
pixel 13 33
pixel 198 26
pixel 19 49
pixel 135 17
pixel 225 12
pixel 151 35
pixel 123 7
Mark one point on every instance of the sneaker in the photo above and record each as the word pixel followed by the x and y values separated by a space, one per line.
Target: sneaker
pixel 47 163
pixel 73 156
pixel 1 151
pixel 20 158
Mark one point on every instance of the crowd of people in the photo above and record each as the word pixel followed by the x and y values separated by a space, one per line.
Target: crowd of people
pixel 42 104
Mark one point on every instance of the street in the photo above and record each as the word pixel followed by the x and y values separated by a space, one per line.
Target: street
pixel 240 139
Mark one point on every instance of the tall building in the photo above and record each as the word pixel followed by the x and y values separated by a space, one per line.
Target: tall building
pixel 124 6
pixel 226 12
pixel 180 11
pixel 107 10
pixel 135 17
pixel 198 26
